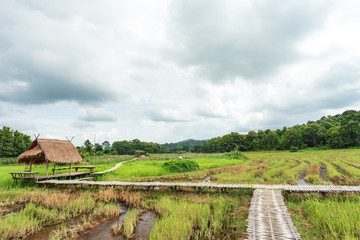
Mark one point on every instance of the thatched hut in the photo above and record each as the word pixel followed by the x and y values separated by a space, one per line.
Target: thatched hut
pixel 47 151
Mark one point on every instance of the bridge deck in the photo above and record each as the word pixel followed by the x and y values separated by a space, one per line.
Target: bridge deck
pixel 291 188
pixel 269 218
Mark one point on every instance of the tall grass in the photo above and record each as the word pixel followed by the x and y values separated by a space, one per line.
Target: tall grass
pixel 46 207
pixel 132 216
pixel 334 217
pixel 200 217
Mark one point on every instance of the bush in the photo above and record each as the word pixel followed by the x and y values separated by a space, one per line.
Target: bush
pixel 236 155
pixel 294 149
pixel 181 165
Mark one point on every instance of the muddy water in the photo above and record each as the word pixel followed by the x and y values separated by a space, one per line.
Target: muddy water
pixel 144 226
pixel 12 209
pixel 45 233
pixel 104 232
pixel 302 181
pixel 324 176
pixel 207 179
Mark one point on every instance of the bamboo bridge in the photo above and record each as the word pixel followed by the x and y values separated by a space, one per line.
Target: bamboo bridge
pixel 152 185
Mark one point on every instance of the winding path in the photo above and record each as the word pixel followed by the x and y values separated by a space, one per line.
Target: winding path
pixel 109 170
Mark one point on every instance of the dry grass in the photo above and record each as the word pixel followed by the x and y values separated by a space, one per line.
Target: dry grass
pixel 116 228
pixel 313 170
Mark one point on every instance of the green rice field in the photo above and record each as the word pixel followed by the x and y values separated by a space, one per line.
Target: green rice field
pixel 27 210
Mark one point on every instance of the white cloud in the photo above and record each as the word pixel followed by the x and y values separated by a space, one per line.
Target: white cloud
pixel 96 115
pixel 170 70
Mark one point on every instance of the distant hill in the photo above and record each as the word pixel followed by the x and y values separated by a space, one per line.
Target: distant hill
pixel 187 145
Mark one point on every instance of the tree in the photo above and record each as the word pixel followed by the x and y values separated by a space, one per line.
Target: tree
pixel 8 142
pixel 186 148
pixel 88 146
pixel 333 138
pixel 106 146
pixel 98 147
pixel 21 142
pixel 291 138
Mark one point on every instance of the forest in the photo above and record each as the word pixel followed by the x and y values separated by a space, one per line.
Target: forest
pixel 329 132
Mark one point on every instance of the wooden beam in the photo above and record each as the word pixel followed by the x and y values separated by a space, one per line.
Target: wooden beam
pixel 47 168
pixel 30 166
pixel 70 169
pixel 54 169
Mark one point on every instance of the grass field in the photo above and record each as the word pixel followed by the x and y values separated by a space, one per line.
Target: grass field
pixel 205 214
pixel 339 167
pixel 330 217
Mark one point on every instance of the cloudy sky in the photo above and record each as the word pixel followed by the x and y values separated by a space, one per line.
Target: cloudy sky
pixel 166 71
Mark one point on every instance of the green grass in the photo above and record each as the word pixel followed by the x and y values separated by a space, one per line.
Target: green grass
pixel 133 171
pixel 200 216
pixel 333 217
pixel 131 218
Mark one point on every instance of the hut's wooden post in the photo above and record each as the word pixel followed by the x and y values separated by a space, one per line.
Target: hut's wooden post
pixel 30 166
pixel 47 168
pixel 54 169
pixel 70 169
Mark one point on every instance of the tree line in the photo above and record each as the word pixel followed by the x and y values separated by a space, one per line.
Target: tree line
pixel 119 147
pixel 12 143
pixel 339 131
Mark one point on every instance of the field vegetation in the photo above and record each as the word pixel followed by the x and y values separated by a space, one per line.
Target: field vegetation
pixel 205 214
pixel 326 217
pixel 26 209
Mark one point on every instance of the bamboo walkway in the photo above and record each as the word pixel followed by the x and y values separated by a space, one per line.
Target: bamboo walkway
pixel 269 218
pixel 291 188
pixel 109 170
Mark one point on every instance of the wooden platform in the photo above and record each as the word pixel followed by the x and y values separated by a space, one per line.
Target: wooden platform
pixel 61 175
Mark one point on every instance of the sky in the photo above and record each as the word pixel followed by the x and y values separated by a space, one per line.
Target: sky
pixel 166 71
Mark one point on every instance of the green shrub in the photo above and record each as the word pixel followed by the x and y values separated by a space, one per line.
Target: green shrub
pixel 236 155
pixel 294 149
pixel 181 165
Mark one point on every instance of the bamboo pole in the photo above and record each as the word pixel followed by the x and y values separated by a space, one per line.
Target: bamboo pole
pixel 54 168
pixel 30 166
pixel 47 168
pixel 70 169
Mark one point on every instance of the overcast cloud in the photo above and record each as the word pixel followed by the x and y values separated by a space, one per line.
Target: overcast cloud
pixel 166 71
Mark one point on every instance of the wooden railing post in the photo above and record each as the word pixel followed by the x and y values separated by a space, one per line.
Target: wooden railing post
pixel 70 169
pixel 47 168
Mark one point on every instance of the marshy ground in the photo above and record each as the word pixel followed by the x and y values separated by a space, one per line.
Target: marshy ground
pixel 29 211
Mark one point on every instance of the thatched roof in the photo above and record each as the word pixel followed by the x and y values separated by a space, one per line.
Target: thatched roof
pixel 54 151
